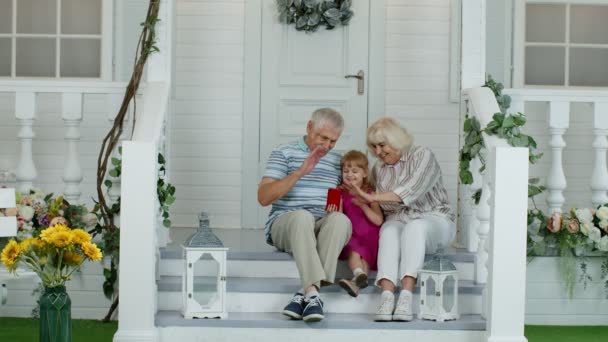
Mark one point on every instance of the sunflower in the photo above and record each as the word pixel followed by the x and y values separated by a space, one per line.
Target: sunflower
pixel 79 236
pixel 72 258
pixel 25 244
pixel 91 251
pixel 10 254
pixel 61 239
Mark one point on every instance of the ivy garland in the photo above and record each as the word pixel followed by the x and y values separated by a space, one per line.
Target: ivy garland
pixel 505 126
pixel 308 15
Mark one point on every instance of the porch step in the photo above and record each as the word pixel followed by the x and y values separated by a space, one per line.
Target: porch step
pixel 272 294
pixel 280 264
pixel 258 326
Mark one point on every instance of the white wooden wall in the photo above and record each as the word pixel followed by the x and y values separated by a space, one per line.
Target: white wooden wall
pixel 205 159
pixel 207 118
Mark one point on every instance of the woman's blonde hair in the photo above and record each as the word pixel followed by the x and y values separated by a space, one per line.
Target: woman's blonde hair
pixel 389 131
pixel 358 159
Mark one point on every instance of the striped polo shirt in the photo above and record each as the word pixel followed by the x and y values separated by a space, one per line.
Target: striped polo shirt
pixel 309 192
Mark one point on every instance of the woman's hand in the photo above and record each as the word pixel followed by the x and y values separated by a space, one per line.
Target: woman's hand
pixel 361 195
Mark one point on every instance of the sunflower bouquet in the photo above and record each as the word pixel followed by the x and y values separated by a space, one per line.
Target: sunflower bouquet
pixel 54 255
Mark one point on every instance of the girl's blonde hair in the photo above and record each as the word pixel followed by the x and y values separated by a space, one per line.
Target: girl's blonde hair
pixel 358 159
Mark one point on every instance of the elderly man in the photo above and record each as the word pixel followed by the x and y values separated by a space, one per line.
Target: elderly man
pixel 295 182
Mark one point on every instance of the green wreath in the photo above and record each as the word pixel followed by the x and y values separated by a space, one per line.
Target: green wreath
pixel 308 15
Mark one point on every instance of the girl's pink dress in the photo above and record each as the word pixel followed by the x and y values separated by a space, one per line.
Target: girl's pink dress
pixel 365 234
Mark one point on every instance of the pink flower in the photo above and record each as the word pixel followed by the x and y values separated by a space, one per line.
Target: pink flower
pixel 555 223
pixel 58 220
pixel 573 226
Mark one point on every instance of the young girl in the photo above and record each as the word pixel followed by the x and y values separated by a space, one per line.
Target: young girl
pixel 362 249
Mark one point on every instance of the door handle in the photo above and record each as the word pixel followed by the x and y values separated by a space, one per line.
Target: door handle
pixel 360 76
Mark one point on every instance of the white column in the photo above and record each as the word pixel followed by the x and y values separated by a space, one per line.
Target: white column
pixel 473 46
pixel 25 111
pixel 507 280
pixel 559 117
pixel 159 63
pixel 599 177
pixel 137 288
pixel 71 113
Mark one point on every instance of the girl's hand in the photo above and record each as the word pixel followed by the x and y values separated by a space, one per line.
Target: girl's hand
pixel 331 208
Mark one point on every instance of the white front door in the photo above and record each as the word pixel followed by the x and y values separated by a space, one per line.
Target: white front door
pixel 302 72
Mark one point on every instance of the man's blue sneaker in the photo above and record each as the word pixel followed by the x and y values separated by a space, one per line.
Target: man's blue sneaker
pixel 295 308
pixel 313 312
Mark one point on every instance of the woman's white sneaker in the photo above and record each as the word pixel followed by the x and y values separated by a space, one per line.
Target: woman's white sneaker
pixel 403 311
pixel 385 311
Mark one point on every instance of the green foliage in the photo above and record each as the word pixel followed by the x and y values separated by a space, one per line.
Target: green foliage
pixel 165 192
pixel 504 101
pixel 309 15
pixel 111 238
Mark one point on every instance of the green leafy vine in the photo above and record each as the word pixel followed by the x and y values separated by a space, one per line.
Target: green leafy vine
pixel 503 125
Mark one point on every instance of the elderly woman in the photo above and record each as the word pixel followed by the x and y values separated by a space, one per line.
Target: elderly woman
pixel 418 217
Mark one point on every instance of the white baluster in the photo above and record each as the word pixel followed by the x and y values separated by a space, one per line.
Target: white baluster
pixel 25 111
pixel 483 216
pixel 114 104
pixel 559 117
pixel 473 232
pixel 71 113
pixel 599 177
pixel 517 106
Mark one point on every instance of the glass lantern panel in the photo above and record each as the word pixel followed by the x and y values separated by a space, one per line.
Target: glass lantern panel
pixel 448 293
pixel 206 271
pixel 431 289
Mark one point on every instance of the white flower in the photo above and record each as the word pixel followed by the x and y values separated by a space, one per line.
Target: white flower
pixel 584 215
pixel 586 228
pixel 603 244
pixel 603 224
pixel 26 212
pixel 89 219
pixel 602 213
pixel 595 234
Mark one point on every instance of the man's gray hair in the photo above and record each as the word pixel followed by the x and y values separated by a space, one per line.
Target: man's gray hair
pixel 321 117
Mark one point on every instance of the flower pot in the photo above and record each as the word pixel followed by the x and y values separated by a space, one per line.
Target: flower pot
pixel 55 315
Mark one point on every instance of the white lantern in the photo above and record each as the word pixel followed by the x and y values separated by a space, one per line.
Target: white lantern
pixel 204 277
pixel 438 290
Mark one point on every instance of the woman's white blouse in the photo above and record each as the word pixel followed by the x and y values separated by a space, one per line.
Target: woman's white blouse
pixel 416 179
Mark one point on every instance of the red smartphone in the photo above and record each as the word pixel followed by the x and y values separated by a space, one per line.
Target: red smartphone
pixel 333 197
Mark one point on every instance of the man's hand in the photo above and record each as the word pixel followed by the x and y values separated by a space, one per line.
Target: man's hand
pixel 312 160
pixel 331 208
pixel 271 190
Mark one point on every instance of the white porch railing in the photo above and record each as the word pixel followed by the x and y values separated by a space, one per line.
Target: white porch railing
pixel 558 121
pixel 72 94
pixel 501 252
pixel 141 228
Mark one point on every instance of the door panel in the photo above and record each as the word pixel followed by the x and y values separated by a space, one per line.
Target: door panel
pixel 302 72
